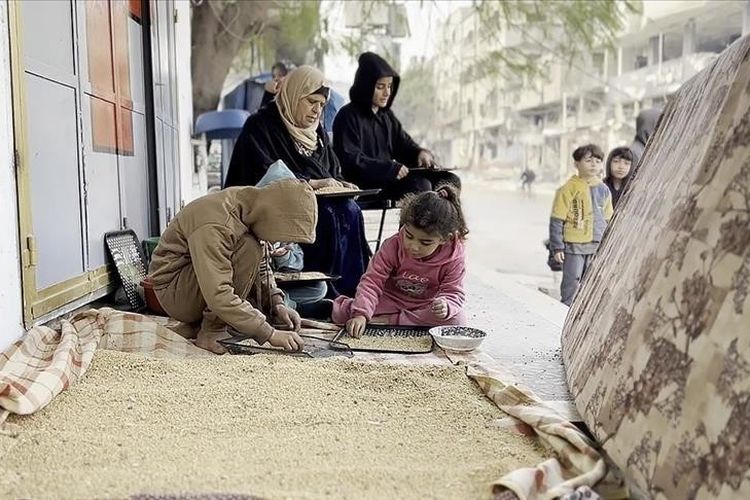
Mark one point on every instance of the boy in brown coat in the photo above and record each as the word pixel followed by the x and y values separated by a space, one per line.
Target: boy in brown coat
pixel 209 261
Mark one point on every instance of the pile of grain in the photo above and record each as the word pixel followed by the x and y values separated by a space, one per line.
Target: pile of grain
pixel 265 425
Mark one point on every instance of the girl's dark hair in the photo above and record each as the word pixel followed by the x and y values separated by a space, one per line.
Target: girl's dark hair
pixel 435 212
pixel 592 149
pixel 621 152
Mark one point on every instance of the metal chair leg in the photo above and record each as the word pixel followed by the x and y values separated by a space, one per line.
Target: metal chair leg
pixel 380 230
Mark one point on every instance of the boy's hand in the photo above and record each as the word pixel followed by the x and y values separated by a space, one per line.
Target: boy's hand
pixel 560 257
pixel 287 318
pixel 289 341
pixel 440 308
pixel 356 326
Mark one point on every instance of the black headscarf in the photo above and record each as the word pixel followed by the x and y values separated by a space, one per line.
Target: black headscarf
pixel 371 68
pixel 645 126
pixel 372 145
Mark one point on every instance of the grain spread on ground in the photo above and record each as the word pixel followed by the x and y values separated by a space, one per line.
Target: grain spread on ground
pixel 272 426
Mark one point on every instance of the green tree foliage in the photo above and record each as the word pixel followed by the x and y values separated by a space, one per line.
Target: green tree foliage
pixel 526 35
pixel 249 35
pixel 415 102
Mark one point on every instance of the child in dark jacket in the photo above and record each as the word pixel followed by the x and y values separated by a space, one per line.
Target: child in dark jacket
pixel 617 176
pixel 374 149
pixel 416 278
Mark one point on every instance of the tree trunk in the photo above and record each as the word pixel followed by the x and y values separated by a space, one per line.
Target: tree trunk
pixel 219 30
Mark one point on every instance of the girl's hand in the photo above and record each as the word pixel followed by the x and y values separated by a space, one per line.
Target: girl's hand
pixel 280 252
pixel 356 326
pixel 440 308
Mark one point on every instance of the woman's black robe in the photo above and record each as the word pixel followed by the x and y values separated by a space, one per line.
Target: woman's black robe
pixel 340 246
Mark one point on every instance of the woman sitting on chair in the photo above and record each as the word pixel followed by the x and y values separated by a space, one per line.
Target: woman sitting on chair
pixel 289 129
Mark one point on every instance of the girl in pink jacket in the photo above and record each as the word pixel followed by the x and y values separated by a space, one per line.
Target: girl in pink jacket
pixel 416 278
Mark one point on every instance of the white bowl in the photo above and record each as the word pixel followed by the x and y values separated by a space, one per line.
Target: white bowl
pixel 457 338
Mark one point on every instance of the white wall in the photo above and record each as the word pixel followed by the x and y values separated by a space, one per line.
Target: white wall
pixel 11 306
pixel 191 183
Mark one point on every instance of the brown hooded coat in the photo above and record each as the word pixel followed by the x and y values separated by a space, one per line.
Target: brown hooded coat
pixel 210 255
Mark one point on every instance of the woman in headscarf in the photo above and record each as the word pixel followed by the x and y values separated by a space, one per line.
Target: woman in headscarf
pixel 289 129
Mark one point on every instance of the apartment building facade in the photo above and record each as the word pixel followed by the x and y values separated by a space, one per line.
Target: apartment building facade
pixel 500 125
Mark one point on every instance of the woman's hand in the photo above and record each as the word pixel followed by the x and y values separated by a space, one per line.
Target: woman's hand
pixel 272 86
pixel 286 318
pixel 356 326
pixel 289 341
pixel 349 185
pixel 440 308
pixel 324 183
pixel 402 172
pixel 425 159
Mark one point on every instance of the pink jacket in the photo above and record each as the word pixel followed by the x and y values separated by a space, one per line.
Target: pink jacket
pixel 395 281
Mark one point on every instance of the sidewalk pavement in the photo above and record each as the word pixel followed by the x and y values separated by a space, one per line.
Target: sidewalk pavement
pixel 523 333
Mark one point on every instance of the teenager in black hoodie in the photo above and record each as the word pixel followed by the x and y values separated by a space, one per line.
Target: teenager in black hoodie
pixel 373 148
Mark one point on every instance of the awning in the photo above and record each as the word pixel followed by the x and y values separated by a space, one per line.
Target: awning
pixel 225 124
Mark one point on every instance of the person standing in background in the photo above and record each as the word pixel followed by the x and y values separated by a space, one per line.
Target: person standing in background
pixel 278 73
pixel 645 126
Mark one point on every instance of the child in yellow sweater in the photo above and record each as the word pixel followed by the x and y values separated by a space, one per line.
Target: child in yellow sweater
pixel 580 213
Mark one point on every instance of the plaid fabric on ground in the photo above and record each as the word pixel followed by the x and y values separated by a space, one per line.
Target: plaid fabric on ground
pixel 34 370
pixel 577 465
pixel 45 362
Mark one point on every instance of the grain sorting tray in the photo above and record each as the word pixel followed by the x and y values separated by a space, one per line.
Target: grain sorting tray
pixel 315 347
pixel 127 255
pixel 387 339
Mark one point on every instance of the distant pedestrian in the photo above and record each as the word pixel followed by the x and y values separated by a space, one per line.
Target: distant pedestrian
pixel 278 72
pixel 618 169
pixel 580 213
pixel 527 179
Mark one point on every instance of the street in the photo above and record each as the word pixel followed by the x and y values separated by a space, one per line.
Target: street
pixel 506 232
pixel 506 266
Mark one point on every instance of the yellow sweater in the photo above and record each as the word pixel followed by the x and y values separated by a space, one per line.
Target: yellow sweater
pixel 574 205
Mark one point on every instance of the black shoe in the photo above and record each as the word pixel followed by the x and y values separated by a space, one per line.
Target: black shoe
pixel 321 309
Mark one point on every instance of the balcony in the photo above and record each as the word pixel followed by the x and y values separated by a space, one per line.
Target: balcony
pixel 658 79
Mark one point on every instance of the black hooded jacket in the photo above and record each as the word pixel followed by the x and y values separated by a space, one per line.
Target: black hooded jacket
pixel 645 126
pixel 371 146
pixel 264 139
